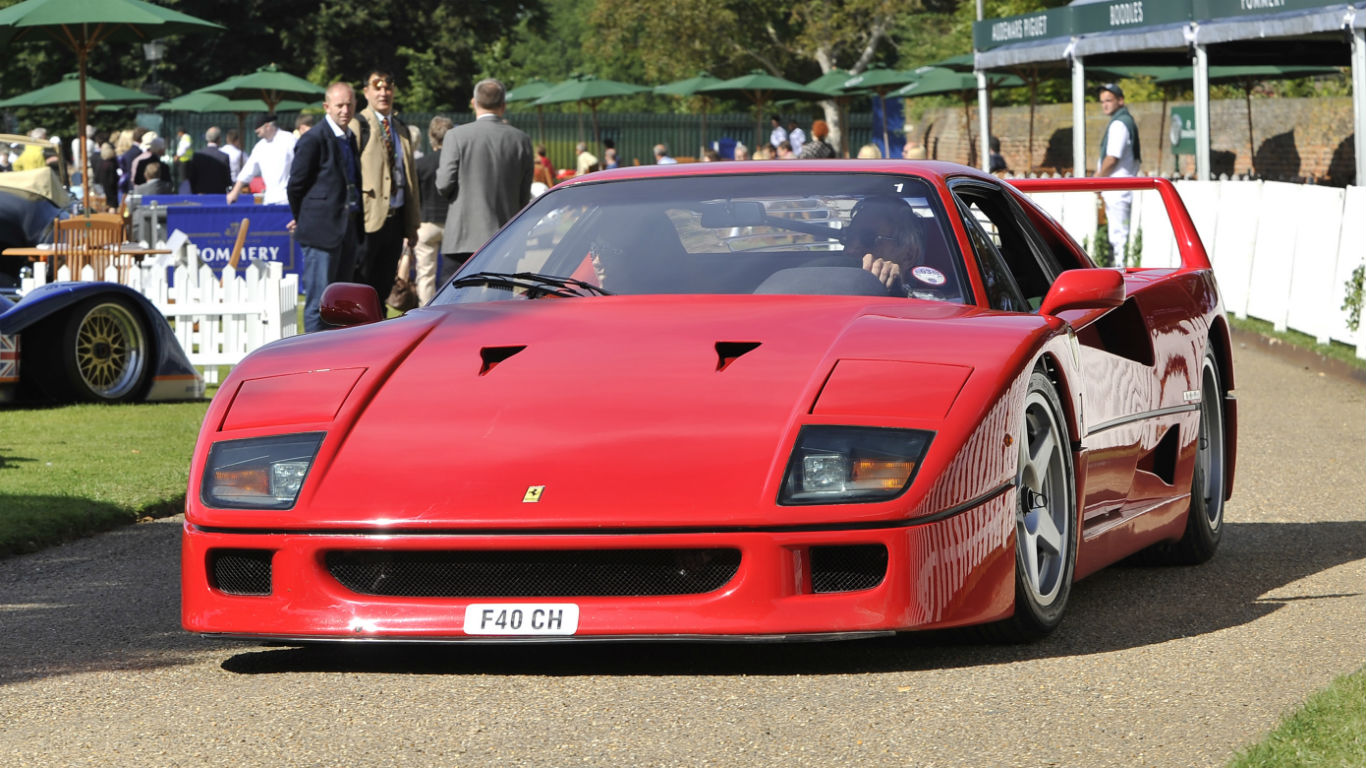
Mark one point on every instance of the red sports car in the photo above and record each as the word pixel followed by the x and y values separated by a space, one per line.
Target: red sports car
pixel 787 400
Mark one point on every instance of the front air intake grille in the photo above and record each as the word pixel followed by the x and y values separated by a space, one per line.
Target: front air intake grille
pixel 526 574
pixel 240 571
pixel 847 569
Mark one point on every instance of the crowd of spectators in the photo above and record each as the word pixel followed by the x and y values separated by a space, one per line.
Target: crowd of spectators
pixel 118 161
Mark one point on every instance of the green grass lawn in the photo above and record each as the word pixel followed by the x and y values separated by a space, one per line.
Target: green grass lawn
pixel 71 471
pixel 1329 731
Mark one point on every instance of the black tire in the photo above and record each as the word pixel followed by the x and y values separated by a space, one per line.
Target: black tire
pixel 1045 519
pixel 98 351
pixel 1205 521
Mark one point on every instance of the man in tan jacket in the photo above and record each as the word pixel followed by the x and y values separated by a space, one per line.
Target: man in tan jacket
pixel 389 191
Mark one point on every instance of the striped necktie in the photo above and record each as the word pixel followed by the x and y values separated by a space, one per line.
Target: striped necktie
pixel 389 153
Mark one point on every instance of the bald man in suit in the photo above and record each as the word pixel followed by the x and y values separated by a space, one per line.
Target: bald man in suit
pixel 324 197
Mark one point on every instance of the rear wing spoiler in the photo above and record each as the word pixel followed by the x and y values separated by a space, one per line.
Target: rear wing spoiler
pixel 1188 242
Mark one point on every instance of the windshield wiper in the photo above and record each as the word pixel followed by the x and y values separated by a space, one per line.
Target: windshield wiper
pixel 535 284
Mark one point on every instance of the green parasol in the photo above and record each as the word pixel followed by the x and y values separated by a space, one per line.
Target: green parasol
pixel 879 80
pixel 83 24
pixel 269 84
pixel 761 88
pixel 528 91
pixel 205 101
pixel 692 86
pixel 68 93
pixel 589 90
pixel 832 84
pixel 939 80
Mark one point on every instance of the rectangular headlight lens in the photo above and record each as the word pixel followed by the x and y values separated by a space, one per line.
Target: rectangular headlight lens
pixel 837 465
pixel 260 472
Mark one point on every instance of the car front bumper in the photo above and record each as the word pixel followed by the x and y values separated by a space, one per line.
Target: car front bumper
pixel 947 572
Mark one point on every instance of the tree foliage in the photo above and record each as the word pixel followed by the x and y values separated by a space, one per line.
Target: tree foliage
pixel 438 49
pixel 432 47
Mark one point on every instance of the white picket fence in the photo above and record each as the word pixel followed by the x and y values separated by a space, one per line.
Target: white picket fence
pixel 217 321
pixel 1283 253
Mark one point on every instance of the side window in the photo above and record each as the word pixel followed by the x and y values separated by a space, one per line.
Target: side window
pixel 1060 247
pixel 1031 266
pixel 1002 293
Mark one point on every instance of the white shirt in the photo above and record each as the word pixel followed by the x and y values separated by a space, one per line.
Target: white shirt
pixel 234 158
pixel 777 136
pixel 271 161
pixel 1117 145
pixel 796 138
pixel 92 151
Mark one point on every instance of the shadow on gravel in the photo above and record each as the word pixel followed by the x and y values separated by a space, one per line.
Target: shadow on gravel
pixel 1121 607
pixel 108 602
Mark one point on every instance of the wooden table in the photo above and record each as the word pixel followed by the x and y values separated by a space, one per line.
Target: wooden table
pixel 41 254
pixel 98 258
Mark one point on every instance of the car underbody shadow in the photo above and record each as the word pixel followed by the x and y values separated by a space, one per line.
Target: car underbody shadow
pixel 1124 606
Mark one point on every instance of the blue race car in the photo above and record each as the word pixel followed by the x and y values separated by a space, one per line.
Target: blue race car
pixel 90 342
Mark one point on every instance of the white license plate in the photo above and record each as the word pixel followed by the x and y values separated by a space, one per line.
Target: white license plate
pixel 521 619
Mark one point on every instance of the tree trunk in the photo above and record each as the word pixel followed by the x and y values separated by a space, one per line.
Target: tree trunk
pixel 834 117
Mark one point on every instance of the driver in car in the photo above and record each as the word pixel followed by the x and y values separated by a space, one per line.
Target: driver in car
pixel 889 237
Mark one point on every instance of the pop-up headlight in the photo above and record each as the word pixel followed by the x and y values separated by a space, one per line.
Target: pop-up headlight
pixel 838 465
pixel 260 472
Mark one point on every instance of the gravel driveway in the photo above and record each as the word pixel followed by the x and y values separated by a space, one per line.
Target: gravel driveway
pixel 1153 666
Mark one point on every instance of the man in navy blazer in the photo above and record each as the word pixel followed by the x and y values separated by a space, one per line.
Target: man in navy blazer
pixel 209 172
pixel 324 196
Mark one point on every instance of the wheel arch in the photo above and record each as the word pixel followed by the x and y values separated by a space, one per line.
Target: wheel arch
pixel 1221 343
pixel 1051 366
pixel 49 326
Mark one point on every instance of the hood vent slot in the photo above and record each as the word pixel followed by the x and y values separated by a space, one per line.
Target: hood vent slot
pixel 728 352
pixel 492 356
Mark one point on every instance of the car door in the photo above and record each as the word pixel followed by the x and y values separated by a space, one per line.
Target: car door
pixel 1129 443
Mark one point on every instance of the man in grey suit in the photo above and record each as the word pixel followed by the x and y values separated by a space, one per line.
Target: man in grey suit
pixel 485 172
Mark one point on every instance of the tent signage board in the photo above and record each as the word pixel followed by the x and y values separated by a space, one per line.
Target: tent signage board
pixel 212 225
pixel 1224 9
pixel 1025 28
pixel 1121 15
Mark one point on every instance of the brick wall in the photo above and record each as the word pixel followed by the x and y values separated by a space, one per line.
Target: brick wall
pixel 1306 139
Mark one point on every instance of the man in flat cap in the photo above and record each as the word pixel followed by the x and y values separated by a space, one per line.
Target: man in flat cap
pixel 270 159
pixel 1119 157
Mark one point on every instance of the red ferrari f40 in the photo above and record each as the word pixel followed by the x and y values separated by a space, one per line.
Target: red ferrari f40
pixel 764 400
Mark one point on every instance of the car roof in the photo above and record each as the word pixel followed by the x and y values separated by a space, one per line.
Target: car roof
pixel 934 170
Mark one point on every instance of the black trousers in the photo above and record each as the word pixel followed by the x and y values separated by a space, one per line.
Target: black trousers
pixel 377 256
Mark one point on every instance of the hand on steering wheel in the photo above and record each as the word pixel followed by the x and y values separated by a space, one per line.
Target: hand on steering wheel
pixel 886 271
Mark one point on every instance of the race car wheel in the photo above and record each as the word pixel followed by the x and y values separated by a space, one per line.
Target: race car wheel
pixel 1045 518
pixel 1205 524
pixel 99 352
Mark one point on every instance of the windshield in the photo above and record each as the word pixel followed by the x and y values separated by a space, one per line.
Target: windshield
pixel 860 234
